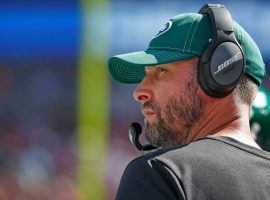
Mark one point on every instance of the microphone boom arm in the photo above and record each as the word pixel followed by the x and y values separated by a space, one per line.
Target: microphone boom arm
pixel 134 132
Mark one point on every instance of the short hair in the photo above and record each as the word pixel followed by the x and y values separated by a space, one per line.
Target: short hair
pixel 246 90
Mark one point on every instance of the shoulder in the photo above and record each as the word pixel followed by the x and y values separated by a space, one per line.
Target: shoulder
pixel 202 149
pixel 198 149
pixel 147 177
pixel 163 174
pixel 148 165
pixel 182 160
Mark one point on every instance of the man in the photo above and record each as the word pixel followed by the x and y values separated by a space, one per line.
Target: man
pixel 197 85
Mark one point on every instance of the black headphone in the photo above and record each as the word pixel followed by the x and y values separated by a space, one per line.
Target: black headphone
pixel 222 62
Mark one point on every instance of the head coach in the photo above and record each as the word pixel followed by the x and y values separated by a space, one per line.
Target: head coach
pixel 197 82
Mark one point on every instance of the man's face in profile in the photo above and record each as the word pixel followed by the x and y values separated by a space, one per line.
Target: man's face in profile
pixel 170 102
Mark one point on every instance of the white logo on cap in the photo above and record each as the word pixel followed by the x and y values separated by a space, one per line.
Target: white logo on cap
pixel 164 29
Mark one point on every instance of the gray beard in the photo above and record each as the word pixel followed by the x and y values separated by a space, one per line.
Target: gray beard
pixel 184 109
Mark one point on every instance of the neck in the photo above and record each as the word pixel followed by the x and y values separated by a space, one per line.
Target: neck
pixel 223 118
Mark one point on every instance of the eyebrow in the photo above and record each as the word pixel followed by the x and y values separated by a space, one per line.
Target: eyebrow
pixel 162 65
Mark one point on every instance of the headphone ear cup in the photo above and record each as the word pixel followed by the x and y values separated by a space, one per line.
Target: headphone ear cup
pixel 203 75
pixel 220 74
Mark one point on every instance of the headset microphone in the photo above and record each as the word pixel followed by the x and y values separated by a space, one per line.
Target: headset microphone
pixel 134 131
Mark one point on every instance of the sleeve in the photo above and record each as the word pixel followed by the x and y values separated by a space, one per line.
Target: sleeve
pixel 149 179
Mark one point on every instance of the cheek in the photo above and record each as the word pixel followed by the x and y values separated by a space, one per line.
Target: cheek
pixel 172 85
pixel 164 94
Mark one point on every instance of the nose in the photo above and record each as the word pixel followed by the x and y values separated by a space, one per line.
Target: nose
pixel 143 92
pixel 141 96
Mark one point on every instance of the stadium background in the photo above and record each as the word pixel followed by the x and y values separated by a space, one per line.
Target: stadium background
pixel 63 121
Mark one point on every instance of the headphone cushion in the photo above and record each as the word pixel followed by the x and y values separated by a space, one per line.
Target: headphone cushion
pixel 221 73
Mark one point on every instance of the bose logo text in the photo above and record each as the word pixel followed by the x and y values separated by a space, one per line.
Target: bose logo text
pixel 228 62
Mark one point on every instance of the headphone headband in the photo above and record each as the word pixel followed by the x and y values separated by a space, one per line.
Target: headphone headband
pixel 220 18
pixel 221 22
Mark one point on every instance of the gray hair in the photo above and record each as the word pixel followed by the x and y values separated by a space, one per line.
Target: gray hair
pixel 246 90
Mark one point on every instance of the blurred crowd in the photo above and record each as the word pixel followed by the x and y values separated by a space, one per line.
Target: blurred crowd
pixel 37 138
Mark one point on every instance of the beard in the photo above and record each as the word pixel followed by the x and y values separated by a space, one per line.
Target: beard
pixel 180 113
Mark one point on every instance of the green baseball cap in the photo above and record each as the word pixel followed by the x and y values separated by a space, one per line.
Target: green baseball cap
pixel 183 36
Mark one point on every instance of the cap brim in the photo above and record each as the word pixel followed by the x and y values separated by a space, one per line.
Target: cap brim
pixel 129 68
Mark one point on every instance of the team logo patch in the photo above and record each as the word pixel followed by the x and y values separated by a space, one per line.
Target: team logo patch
pixel 165 28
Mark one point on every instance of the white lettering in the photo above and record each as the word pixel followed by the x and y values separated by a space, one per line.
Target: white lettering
pixel 228 62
